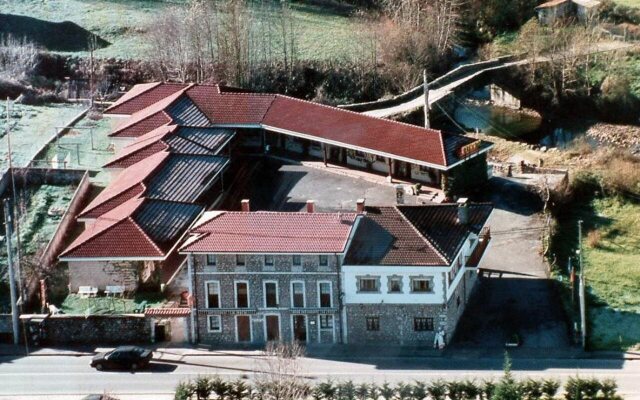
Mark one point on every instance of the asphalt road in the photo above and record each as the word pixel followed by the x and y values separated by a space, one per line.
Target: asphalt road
pixel 69 377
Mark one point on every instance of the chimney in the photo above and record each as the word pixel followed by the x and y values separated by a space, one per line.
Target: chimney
pixel 244 205
pixel 311 206
pixel 463 211
pixel 360 206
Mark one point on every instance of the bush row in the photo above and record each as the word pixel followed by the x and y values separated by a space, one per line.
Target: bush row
pixel 507 388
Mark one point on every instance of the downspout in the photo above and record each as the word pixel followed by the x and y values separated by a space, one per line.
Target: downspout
pixel 192 339
pixel 340 295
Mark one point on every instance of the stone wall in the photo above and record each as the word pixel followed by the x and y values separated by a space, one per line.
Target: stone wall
pixel 103 329
pixel 103 273
pixel 396 323
pixel 226 272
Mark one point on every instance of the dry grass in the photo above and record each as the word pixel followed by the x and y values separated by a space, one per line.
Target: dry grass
pixel 593 239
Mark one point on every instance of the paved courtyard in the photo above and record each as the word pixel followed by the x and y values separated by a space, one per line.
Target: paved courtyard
pixel 522 301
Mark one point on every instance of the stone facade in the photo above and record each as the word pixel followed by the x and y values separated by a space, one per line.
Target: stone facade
pixel 102 329
pixel 255 273
pixel 104 273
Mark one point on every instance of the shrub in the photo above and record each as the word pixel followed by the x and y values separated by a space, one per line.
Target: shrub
pixel 387 392
pixel 419 391
pixel 531 389
pixel 346 391
pixel 184 391
pixel 470 391
pixel 609 389
pixel 488 387
pixel 550 388
pixel 404 391
pixel 219 387
pixel 239 390
pixel 327 390
pixel 437 390
pixel 455 390
pixel 374 391
pixel 593 239
pixel 203 387
pixel 362 391
pixel 573 389
pixel 507 388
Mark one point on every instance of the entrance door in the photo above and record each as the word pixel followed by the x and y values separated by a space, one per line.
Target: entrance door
pixel 243 325
pixel 300 328
pixel 273 327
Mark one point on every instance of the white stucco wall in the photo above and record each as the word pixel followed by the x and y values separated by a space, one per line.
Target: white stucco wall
pixel 422 176
pixel 350 285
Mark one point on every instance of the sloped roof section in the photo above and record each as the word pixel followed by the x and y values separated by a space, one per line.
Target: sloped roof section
pixel 184 112
pixel 438 223
pixel 125 182
pixel 183 178
pixel 273 232
pixel 166 221
pixel 114 235
pixel 356 130
pixel 552 3
pixel 142 96
pixel 230 108
pixel 385 237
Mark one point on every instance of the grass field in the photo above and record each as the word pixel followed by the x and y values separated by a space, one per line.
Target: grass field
pixel 76 305
pixel 629 3
pixel 611 258
pixel 31 128
pixel 321 33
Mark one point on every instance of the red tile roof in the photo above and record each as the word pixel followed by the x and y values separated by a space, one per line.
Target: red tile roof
pixel 125 185
pixel 167 312
pixel 144 146
pixel 142 96
pixel 273 232
pixel 230 108
pixel 114 234
pixel 147 119
pixel 355 129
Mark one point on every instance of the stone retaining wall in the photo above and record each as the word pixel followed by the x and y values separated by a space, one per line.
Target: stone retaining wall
pixel 100 329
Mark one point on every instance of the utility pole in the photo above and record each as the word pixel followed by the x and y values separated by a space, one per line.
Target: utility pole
pixel 15 199
pixel 583 305
pixel 425 85
pixel 12 282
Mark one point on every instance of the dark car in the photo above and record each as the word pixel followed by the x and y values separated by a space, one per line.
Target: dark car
pixel 123 357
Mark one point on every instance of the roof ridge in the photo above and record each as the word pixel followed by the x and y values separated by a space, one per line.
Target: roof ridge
pixel 427 241
pixel 133 221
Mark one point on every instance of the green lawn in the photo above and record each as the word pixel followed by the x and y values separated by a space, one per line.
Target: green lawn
pixel 32 127
pixel 321 32
pixel 629 3
pixel 76 305
pixel 612 268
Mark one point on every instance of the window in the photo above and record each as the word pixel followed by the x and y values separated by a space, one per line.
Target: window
pixel 395 284
pixel 271 294
pixel 422 324
pixel 240 260
pixel 242 295
pixel 324 294
pixel 213 294
pixel 368 284
pixel 324 260
pixel 326 321
pixel 297 260
pixel 214 323
pixel 380 158
pixel 420 285
pixel 373 323
pixel 424 169
pixel 211 259
pixel 268 261
pixel 297 294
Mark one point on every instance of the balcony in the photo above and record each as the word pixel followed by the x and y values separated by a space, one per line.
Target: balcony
pixel 483 241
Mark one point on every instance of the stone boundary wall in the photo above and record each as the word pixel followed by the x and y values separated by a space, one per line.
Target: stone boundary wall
pixel 55 245
pixel 97 329
pixel 437 83
pixel 56 135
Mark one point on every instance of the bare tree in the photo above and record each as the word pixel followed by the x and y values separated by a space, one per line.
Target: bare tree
pixel 18 57
pixel 280 372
